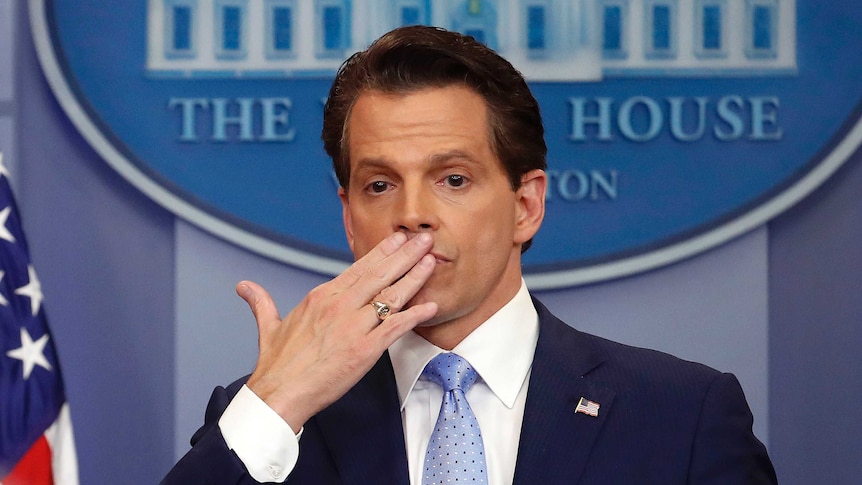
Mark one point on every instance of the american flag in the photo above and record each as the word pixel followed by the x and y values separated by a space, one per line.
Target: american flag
pixel 587 407
pixel 36 444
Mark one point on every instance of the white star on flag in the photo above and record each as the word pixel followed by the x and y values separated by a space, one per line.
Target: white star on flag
pixel 33 289
pixel 4 231
pixel 37 446
pixel 3 170
pixel 3 300
pixel 31 353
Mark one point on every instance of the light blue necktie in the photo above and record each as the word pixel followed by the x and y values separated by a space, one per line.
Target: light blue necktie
pixel 455 453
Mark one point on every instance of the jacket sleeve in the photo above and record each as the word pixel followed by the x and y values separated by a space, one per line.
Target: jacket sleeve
pixel 725 449
pixel 210 461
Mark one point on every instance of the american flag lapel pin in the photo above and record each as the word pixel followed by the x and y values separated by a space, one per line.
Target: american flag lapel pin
pixel 587 407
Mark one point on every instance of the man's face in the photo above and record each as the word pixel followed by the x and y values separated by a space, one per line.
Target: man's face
pixel 422 162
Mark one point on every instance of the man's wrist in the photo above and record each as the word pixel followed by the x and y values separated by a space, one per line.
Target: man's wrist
pixel 261 439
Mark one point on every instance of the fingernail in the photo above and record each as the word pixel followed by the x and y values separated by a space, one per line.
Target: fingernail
pixel 243 290
pixel 399 238
pixel 423 238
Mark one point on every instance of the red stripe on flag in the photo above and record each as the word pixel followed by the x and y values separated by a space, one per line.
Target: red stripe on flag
pixel 34 468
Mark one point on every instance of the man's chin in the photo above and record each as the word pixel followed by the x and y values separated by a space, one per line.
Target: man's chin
pixel 431 323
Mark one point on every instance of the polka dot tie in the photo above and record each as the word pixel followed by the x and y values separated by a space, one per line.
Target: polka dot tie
pixel 455 453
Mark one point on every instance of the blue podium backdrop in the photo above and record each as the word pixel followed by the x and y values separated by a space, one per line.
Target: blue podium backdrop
pixel 672 126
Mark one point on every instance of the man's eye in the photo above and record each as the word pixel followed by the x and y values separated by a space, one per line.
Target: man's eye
pixel 378 186
pixel 455 180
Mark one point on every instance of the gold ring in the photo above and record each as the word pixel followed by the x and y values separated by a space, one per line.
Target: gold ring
pixel 382 309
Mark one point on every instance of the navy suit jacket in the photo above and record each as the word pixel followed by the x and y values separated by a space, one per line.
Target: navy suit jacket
pixel 661 421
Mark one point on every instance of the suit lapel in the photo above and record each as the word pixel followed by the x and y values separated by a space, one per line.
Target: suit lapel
pixel 555 440
pixel 363 430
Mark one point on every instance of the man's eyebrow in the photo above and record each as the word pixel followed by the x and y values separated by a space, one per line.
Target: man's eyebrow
pixel 441 158
pixel 372 163
pixel 434 159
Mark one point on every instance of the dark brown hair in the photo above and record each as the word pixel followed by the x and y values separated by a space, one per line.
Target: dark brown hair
pixel 409 59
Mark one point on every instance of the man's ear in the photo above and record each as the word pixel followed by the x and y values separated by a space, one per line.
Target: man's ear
pixel 345 216
pixel 530 200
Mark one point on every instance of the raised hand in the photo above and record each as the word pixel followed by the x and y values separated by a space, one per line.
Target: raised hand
pixel 333 337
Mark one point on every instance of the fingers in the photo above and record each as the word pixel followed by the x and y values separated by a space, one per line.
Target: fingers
pixel 402 322
pixel 399 293
pixel 396 296
pixel 384 275
pixel 331 339
pixel 260 302
pixel 386 247
pixel 385 263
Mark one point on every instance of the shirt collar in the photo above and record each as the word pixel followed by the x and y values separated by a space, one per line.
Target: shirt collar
pixel 501 350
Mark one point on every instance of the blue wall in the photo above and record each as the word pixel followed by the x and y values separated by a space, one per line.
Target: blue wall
pixel 815 333
pixel 136 325
pixel 104 253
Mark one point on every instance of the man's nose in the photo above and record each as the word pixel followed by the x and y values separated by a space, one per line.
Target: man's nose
pixel 417 211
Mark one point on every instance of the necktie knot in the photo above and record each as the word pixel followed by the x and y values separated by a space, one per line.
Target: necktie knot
pixel 451 371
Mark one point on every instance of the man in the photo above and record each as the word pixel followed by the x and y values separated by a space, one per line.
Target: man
pixel 438 146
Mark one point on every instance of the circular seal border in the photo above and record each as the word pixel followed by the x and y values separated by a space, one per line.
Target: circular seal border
pixel 831 159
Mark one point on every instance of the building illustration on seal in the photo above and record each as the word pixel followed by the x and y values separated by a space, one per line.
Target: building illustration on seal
pixel 547 40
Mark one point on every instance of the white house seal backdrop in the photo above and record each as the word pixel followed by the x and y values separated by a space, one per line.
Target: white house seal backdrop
pixel 672 125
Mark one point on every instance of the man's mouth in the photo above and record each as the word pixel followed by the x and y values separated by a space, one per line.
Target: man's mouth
pixel 440 259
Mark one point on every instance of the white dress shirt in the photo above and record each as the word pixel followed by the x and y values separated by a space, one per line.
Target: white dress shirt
pixel 501 350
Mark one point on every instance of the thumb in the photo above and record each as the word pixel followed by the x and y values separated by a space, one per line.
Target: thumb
pixel 260 302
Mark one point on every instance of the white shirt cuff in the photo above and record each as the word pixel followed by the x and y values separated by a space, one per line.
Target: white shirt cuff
pixel 264 442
